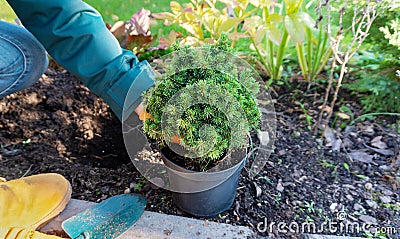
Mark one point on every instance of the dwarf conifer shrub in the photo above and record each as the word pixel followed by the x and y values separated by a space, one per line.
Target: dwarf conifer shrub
pixel 216 103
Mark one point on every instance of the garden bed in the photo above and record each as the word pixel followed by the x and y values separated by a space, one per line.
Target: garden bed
pixel 59 126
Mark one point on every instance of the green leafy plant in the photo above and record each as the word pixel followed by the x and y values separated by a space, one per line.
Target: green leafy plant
pixel 387 23
pixel 201 19
pixel 267 25
pixel 392 32
pixel 201 123
pixel 309 206
pixel 377 82
pixel 371 116
pixel 281 22
pixel 378 93
pixel 363 15
pixel 308 118
pixel 314 52
pixel 375 66
pixel 347 167
pixel 271 32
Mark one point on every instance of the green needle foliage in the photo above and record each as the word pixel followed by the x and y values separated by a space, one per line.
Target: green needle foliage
pixel 219 114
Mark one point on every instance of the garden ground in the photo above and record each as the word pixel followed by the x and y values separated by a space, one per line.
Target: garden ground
pixel 59 126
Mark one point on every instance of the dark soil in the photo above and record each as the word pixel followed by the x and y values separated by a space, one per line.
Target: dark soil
pixel 59 126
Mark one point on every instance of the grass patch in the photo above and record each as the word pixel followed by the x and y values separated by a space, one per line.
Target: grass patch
pixel 114 10
pixel 123 9
pixel 110 10
pixel 6 13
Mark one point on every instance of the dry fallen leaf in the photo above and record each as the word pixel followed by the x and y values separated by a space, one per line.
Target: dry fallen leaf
pixel 166 42
pixel 393 181
pixel 378 143
pixel 134 34
pixel 343 116
pixel 331 140
pixel 140 23
pixel 361 156
pixel 176 139
pixel 118 30
pixel 138 41
pixel 385 152
pixel 368 219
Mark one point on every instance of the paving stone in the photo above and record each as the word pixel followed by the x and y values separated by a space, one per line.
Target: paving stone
pixel 315 236
pixel 153 225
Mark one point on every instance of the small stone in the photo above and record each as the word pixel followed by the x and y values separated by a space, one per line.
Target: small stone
pixel 167 232
pixel 369 130
pixel 279 186
pixel 349 129
pixel 258 189
pixel 330 136
pixel 285 184
pixel 303 178
pixel 349 186
pixel 372 204
pixel 368 219
pixel 333 207
pixel 320 141
pixel 354 134
pixel 385 168
pixel 385 199
pixel 347 143
pixel 349 197
pixel 367 195
pixel 387 192
pixel 397 162
pixel 127 191
pixel 368 186
pixel 281 152
pixel 358 207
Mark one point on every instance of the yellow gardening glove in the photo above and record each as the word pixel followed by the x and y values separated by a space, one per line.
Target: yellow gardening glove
pixel 21 233
pixel 32 201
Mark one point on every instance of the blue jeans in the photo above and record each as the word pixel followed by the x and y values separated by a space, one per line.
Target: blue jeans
pixel 22 59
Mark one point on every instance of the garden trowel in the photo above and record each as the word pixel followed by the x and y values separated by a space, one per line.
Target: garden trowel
pixel 106 220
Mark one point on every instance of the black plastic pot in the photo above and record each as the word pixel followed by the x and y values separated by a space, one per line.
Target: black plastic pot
pixel 203 194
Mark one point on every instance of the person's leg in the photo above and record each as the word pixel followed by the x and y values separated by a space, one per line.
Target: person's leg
pixel 75 35
pixel 22 59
